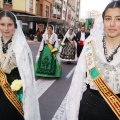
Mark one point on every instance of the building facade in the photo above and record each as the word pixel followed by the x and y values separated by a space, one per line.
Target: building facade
pixel 44 8
pixel 32 14
pixel 72 13
pixel 64 9
pixel 19 6
pixel 77 10
pixel 57 9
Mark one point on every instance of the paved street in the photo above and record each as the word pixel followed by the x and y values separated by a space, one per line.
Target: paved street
pixel 52 92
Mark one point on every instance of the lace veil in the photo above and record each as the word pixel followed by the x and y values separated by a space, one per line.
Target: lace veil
pixel 52 30
pixel 68 35
pixel 25 66
pixel 78 85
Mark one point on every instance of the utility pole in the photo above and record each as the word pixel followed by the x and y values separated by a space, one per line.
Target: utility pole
pixel 66 12
pixel 56 8
pixel 61 10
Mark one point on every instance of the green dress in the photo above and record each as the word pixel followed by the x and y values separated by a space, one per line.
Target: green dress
pixel 47 64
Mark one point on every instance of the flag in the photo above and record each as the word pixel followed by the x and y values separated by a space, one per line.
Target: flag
pixel 89 23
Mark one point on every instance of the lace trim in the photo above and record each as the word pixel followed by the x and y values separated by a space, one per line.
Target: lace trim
pixel 7 60
pixel 8 65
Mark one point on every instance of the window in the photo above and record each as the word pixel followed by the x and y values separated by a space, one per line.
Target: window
pixel 31 4
pixel 64 14
pixel 7 1
pixel 64 3
pixel 47 11
pixel 41 9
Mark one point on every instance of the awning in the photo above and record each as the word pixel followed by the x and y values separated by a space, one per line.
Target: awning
pixel 30 18
pixel 39 19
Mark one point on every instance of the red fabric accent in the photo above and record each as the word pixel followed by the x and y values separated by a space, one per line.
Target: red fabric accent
pixel 81 43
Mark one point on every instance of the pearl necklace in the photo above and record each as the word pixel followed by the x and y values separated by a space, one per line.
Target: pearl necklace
pixel 109 58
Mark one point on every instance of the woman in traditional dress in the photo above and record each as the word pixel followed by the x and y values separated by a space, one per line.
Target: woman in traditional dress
pixel 20 101
pixel 68 47
pixel 47 64
pixel 97 97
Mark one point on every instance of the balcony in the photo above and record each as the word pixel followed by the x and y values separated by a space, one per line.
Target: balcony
pixel 9 2
pixel 56 16
pixel 64 7
pixel 58 1
pixel 7 5
pixel 55 11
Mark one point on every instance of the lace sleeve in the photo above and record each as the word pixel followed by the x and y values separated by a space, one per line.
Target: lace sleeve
pixel 41 44
pixel 56 41
pixel 77 88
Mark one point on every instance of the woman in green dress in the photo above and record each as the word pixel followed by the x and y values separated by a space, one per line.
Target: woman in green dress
pixel 47 63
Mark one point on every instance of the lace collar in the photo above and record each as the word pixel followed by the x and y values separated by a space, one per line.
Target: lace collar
pixel 99 50
pixel 109 58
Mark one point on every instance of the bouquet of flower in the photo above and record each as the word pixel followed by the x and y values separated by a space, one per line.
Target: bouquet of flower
pixel 62 44
pixel 17 87
pixel 54 50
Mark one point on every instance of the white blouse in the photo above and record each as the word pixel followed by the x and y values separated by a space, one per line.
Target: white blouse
pixel 82 36
pixel 53 40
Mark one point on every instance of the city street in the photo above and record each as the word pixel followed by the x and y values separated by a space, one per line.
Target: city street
pixel 52 92
pixel 67 30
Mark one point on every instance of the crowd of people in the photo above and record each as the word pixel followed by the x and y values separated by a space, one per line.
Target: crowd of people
pixel 95 87
pixel 53 50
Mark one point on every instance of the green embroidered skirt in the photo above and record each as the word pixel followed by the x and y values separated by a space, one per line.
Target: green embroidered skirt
pixel 47 64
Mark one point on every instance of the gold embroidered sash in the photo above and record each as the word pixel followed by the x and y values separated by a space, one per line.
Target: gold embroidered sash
pixel 9 93
pixel 112 99
pixel 51 47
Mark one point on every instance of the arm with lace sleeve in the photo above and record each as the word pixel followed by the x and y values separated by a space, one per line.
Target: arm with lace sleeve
pixel 78 86
pixel 41 44
pixel 56 41
pixel 63 42
pixel 64 38
pixel 40 48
